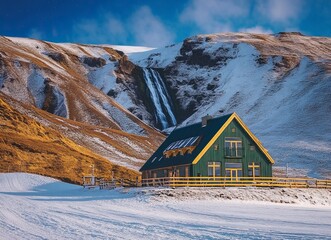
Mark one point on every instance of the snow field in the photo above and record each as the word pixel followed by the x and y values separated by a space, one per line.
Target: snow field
pixel 36 207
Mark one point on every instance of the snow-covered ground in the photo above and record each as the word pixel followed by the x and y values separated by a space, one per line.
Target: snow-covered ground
pixel 36 207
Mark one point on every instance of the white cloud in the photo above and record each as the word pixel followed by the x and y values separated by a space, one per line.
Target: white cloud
pixel 115 26
pixel 148 30
pixel 281 11
pixel 214 15
pixel 107 30
pixel 256 29
pixel 142 27
pixel 35 33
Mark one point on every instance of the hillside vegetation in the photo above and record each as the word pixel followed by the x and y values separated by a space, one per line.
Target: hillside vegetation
pixel 26 145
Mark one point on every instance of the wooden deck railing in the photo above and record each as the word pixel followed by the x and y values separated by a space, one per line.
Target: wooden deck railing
pixel 238 182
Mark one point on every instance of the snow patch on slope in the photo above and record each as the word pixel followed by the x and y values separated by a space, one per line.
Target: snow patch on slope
pixel 119 117
pixel 36 86
pixel 36 49
pixel 156 58
pixel 103 78
pixel 117 156
pixel 61 108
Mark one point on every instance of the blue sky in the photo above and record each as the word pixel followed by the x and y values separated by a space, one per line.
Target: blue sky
pixel 158 23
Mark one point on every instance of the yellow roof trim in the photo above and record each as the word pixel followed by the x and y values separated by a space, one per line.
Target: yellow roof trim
pixel 255 139
pixel 211 142
pixel 220 131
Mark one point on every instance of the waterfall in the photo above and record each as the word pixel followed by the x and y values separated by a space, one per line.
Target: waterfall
pixel 160 97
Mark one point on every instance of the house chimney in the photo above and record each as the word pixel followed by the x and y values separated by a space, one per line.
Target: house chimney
pixel 204 120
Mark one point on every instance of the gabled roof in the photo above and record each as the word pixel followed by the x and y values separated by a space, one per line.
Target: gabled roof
pixel 207 136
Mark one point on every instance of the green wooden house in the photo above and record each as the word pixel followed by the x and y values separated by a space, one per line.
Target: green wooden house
pixel 222 146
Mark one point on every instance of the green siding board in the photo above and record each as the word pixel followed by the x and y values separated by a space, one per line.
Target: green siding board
pixel 248 155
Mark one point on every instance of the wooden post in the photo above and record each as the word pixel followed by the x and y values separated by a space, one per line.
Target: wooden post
pixel 286 169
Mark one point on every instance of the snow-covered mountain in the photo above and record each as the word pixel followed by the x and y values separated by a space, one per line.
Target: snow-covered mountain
pixel 279 84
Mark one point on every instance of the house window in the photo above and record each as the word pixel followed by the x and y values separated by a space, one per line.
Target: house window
pixel 233 130
pixel 182 171
pixel 214 169
pixel 254 170
pixel 216 147
pixel 181 147
pixel 233 147
pixel 165 172
pixel 252 147
pixel 233 171
pixel 160 173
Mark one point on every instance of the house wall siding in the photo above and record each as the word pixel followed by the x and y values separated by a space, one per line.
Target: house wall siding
pixel 248 155
pixel 178 171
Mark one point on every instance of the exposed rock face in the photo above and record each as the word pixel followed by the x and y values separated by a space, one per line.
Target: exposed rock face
pixel 58 57
pixel 94 62
pixel 54 100
pixel 192 54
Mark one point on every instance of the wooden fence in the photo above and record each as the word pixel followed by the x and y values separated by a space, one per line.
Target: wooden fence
pixel 238 182
pixel 108 184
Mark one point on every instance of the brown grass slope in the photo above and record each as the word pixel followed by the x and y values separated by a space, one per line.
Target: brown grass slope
pixel 27 145
pixel 119 147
